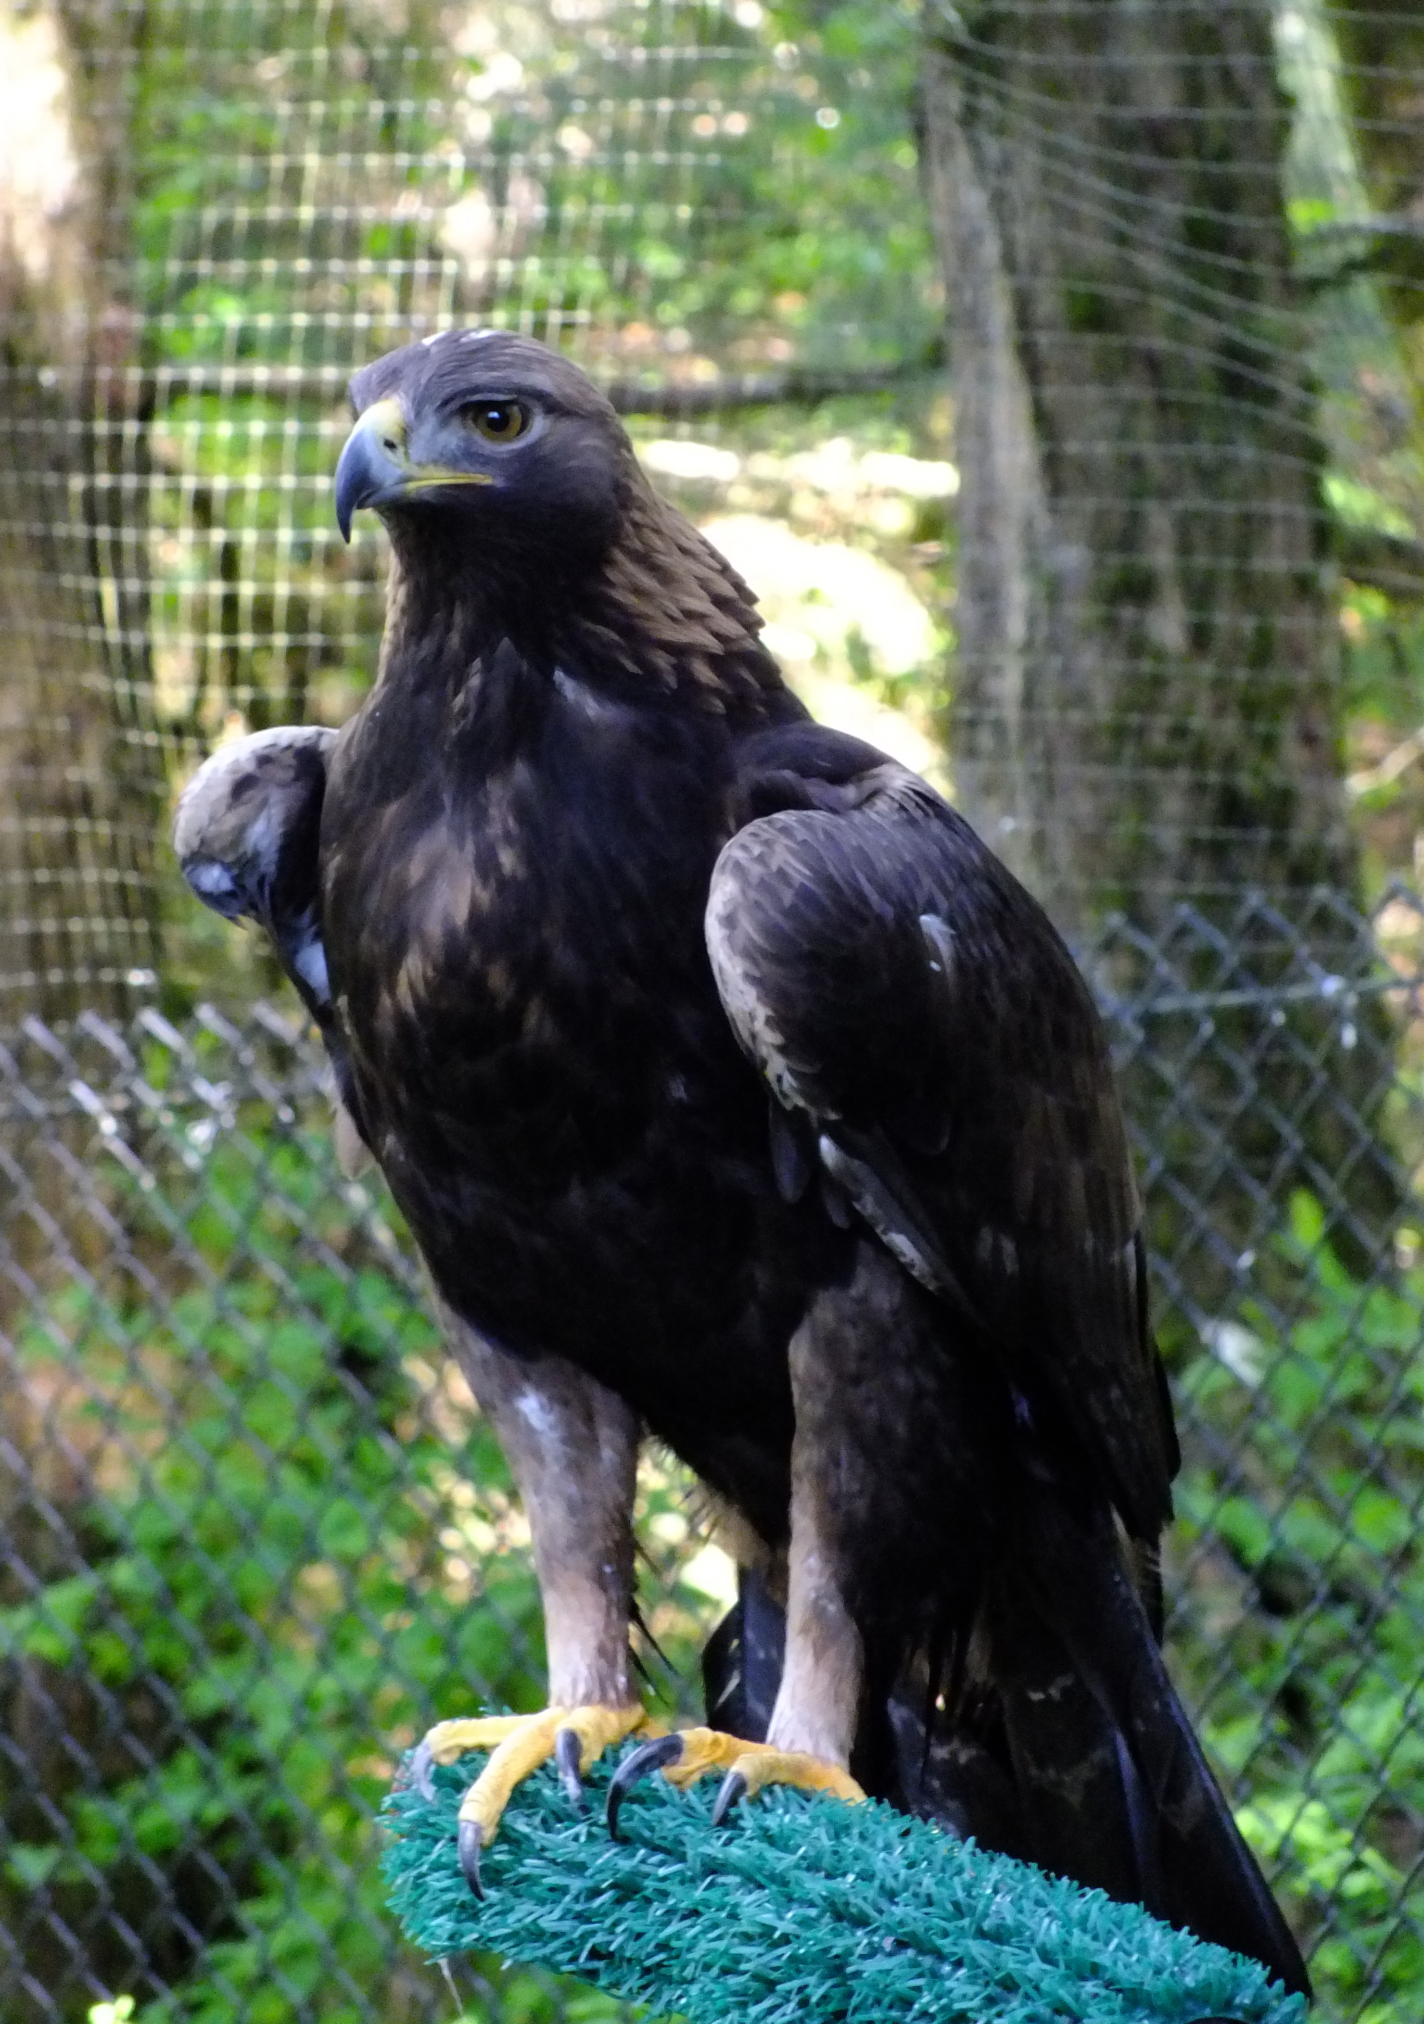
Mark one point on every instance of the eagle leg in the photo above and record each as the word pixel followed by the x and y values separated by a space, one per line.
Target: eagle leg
pixel 813 1723
pixel 572 1449
pixel 689 1754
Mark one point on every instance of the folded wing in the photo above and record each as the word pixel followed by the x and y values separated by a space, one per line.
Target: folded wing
pixel 935 1054
pixel 939 1070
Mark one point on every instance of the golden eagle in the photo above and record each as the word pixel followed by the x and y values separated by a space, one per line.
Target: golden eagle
pixel 735 1093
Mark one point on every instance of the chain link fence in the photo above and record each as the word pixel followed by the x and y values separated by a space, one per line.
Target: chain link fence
pixel 253 1534
pixel 256 1537
pixel 1146 562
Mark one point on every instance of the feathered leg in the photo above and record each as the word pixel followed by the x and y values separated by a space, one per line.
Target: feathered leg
pixel 572 1448
pixel 845 1413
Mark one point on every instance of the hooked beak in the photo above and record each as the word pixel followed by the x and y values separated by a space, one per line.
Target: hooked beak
pixel 375 465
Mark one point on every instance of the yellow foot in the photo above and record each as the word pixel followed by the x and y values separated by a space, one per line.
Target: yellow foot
pixel 574 1737
pixel 689 1754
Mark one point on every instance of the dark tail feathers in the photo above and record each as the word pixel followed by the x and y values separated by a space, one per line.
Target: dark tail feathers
pixel 1110 1784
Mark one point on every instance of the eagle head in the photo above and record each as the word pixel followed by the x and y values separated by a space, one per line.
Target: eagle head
pixel 493 438
pixel 518 513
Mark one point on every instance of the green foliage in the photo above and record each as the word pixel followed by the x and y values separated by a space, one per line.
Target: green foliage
pixel 1303 1613
pixel 305 1549
pixel 283 1562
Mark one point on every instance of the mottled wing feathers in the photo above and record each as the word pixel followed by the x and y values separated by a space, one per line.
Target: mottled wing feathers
pixel 247 833
pixel 920 1020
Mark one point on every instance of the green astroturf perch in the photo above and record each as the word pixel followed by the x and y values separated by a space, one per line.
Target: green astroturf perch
pixel 805 1911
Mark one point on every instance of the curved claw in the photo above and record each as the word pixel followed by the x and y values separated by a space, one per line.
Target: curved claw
pixel 647 1758
pixel 469 1841
pixel 732 1790
pixel 421 1770
pixel 568 1753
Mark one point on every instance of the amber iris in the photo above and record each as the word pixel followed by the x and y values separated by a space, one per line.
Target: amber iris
pixel 497 421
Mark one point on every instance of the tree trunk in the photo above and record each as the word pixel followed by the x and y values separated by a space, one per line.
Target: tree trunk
pixel 78 806
pixel 1382 45
pixel 79 777
pixel 1146 698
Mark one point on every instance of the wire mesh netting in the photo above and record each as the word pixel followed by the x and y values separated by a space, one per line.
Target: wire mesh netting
pixel 218 210
pixel 1131 559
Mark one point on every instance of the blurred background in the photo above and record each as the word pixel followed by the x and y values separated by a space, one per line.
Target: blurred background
pixel 1053 369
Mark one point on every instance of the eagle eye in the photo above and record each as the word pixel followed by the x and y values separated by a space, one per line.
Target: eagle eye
pixel 496 421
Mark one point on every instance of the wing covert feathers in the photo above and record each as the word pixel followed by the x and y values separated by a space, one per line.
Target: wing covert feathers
pixel 905 996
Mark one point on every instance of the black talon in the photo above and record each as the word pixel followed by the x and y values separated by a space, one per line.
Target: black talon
pixel 469 1840
pixel 732 1789
pixel 422 1767
pixel 567 1753
pixel 648 1757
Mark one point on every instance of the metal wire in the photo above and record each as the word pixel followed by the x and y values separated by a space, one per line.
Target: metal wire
pixel 254 1534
